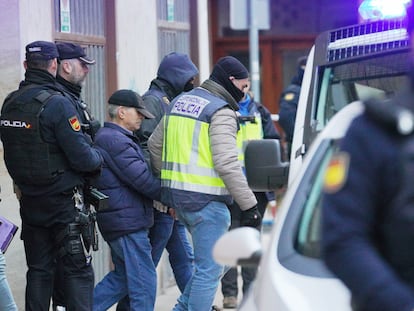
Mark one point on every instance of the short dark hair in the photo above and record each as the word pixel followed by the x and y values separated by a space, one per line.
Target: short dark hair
pixel 39 63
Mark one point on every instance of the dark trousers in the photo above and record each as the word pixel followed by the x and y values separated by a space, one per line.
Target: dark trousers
pixel 58 296
pixel 229 285
pixel 44 252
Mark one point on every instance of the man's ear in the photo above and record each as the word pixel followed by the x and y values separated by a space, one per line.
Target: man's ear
pixel 53 67
pixel 66 66
pixel 121 112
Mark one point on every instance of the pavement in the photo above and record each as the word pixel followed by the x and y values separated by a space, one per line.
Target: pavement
pixel 15 257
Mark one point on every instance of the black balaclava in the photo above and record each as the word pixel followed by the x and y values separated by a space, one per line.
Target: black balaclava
pixel 226 67
pixel 189 85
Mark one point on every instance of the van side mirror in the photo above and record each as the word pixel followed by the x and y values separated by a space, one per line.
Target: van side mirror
pixel 265 170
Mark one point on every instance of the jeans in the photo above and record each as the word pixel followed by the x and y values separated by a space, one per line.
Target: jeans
pixel 171 234
pixel 6 298
pixel 206 226
pixel 159 234
pixel 229 286
pixel 134 274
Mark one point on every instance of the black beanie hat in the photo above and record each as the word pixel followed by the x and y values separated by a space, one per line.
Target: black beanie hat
pixel 226 67
pixel 231 66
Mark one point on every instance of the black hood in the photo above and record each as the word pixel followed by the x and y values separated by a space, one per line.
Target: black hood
pixel 177 69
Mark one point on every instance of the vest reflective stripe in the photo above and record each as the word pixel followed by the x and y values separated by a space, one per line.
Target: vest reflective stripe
pixel 248 131
pixel 189 166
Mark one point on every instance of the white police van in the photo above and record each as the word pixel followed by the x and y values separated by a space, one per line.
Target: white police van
pixel 345 65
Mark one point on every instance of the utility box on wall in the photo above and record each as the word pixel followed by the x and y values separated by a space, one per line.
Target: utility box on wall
pixel 240 14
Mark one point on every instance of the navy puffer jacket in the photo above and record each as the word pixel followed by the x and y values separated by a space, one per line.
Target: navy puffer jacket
pixel 127 180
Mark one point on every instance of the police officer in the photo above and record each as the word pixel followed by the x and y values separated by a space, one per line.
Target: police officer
pixel 255 122
pixel 204 174
pixel 72 71
pixel 367 223
pixel 47 156
pixel 288 103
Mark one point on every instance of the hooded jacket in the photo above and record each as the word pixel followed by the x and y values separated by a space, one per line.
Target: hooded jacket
pixel 174 71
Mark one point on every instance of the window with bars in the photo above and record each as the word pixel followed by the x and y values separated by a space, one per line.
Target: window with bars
pixel 82 22
pixel 173 26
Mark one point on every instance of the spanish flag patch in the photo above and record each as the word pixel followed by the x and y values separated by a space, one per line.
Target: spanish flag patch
pixel 336 172
pixel 74 123
pixel 289 96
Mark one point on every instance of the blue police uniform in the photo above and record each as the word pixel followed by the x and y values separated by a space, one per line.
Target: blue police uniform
pixel 249 107
pixel 367 223
pixel 62 151
pixel 89 127
pixel 288 104
pixel 89 124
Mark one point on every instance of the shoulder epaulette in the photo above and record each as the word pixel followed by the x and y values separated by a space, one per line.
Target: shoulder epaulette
pixel 391 115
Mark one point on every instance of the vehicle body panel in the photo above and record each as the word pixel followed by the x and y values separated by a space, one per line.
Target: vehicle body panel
pixel 346 65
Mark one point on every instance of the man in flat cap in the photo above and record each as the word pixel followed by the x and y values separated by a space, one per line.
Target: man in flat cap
pixel 128 181
pixel 175 74
pixel 47 155
pixel 201 177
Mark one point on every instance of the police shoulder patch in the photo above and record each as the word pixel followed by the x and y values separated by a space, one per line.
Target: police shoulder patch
pixel 74 123
pixel 336 172
pixel 289 96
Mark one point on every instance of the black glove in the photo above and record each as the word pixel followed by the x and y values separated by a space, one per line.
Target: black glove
pixel 251 218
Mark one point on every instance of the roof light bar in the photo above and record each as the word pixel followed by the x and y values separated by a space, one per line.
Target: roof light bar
pixel 382 9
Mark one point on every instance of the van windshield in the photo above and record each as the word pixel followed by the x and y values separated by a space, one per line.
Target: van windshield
pixel 343 83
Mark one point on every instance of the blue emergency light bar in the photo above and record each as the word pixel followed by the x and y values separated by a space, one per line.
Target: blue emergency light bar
pixel 366 39
pixel 372 10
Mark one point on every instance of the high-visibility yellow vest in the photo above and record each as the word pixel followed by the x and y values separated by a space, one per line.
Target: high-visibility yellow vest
pixel 248 131
pixel 187 159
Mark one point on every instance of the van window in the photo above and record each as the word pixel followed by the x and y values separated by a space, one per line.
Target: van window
pixel 309 229
pixel 360 79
